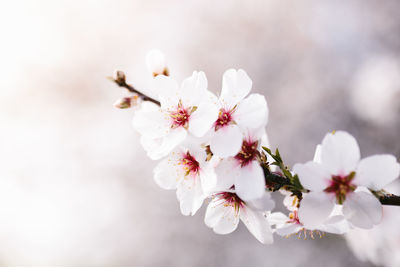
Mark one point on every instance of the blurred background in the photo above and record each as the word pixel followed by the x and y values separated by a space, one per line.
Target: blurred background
pixel 76 188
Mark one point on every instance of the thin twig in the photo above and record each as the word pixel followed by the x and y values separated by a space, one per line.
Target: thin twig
pixel 120 80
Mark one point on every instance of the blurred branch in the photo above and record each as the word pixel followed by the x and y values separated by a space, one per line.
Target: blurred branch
pixel 120 80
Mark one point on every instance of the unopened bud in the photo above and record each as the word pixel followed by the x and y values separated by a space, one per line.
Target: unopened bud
pixel 120 77
pixel 155 61
pixel 125 102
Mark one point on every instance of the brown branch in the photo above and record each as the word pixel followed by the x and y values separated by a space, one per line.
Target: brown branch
pixel 120 80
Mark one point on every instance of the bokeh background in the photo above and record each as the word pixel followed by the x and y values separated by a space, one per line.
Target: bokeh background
pixel 76 188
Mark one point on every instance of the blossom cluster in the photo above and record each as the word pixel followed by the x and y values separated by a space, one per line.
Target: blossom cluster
pixel 216 149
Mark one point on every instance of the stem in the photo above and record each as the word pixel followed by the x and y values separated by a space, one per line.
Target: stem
pixel 120 80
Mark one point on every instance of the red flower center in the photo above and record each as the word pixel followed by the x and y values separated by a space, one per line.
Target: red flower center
pixel 190 164
pixel 231 199
pixel 224 118
pixel 341 186
pixel 180 116
pixel 248 153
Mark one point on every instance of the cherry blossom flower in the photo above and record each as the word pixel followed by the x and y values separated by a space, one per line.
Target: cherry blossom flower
pixel 243 170
pixel 187 171
pixel 226 209
pixel 289 225
pixel 339 176
pixel 188 108
pixel 236 113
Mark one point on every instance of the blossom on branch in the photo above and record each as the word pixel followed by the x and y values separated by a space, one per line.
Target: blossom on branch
pixel 339 177
pixel 226 209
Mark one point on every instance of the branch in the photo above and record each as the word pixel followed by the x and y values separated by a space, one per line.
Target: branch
pixel 120 80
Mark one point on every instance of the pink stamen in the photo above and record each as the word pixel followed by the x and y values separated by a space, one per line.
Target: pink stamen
pixel 224 118
pixel 248 153
pixel 341 186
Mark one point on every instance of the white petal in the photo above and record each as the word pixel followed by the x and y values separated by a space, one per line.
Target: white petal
pixel 208 178
pixel 312 175
pixel 235 86
pixel 317 154
pixel 277 218
pixel 167 90
pixel 315 208
pixel 227 141
pixel 227 170
pixel 193 89
pixel 288 229
pixel 335 225
pixel 257 225
pixel 203 118
pixel 265 203
pixel 168 173
pixel 151 123
pixel 377 171
pixel 252 112
pixel 190 195
pixel 161 147
pixel 222 218
pixel 362 209
pixel 340 153
pixel 250 184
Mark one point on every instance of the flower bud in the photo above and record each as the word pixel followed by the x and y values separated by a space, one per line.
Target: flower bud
pixel 120 77
pixel 155 61
pixel 125 102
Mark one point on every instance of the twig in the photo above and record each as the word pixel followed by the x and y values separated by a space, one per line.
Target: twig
pixel 120 80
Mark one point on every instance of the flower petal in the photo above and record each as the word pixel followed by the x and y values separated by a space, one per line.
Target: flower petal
pixel 193 89
pixel 335 225
pixel 227 170
pixel 190 195
pixel 257 225
pixel 167 90
pixel 203 118
pixel 312 175
pixel 150 121
pixel 252 112
pixel 227 141
pixel 168 173
pixel 315 208
pixel 265 203
pixel 161 147
pixel 208 178
pixel 317 154
pixel 277 218
pixel 222 218
pixel 340 153
pixel 362 209
pixel 377 171
pixel 235 86
pixel 250 184
pixel 288 229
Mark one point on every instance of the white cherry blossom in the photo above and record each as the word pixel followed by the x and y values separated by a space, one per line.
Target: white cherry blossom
pixel 187 171
pixel 291 224
pixel 226 209
pixel 243 169
pixel 236 113
pixel 339 176
pixel 188 108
